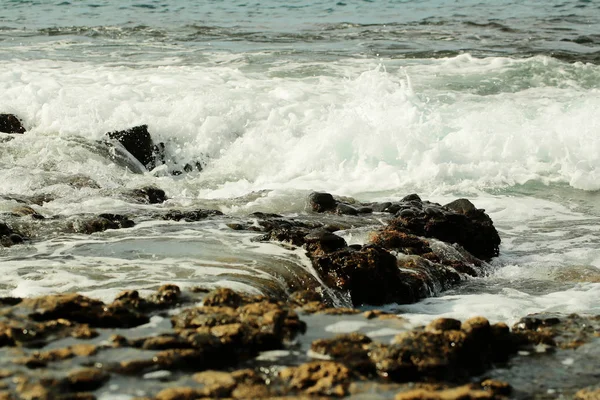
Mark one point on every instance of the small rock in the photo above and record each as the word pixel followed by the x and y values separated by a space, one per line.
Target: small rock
pixel 11 124
pixel 319 378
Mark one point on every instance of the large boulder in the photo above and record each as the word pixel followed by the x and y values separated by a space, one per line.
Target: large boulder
pixel 11 124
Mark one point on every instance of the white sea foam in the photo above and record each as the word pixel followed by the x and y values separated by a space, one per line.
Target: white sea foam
pixel 423 127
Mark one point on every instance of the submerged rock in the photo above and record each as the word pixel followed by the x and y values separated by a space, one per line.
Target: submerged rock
pixel 9 123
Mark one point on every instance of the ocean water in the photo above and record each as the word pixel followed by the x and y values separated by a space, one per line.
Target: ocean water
pixel 495 101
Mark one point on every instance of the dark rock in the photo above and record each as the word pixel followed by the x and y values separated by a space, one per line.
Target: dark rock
pixel 326 240
pixel 321 202
pixel 101 223
pixel 381 207
pixel 138 142
pixel 8 237
pixel 370 274
pixel 191 216
pixel 412 197
pixel 345 209
pixel 11 124
pixel 474 230
pixel 151 195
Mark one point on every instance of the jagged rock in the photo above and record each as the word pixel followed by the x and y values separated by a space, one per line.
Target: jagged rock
pixel 138 142
pixel 370 274
pixel 9 123
pixel 473 230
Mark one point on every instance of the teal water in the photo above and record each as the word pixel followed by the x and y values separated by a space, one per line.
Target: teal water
pixel 112 30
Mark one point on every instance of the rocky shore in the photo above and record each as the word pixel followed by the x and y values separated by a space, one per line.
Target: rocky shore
pixel 199 343
pixel 223 344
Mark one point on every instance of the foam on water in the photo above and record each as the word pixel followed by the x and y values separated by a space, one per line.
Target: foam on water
pixel 442 126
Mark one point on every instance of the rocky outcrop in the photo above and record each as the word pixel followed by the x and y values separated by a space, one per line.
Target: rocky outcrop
pixel 11 124
pixel 404 261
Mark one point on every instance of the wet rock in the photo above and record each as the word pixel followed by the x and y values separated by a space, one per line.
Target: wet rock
pixel 81 309
pixel 401 241
pixel 370 274
pixel 322 202
pixel 150 195
pixel 8 237
pixel 9 123
pixel 26 211
pixel 325 378
pixel 101 223
pixel 345 209
pixel 325 240
pixel 350 349
pixel 190 216
pixel 473 229
pixel 138 142
pixel 166 296
pixel 568 332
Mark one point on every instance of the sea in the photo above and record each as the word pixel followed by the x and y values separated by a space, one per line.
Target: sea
pixel 497 102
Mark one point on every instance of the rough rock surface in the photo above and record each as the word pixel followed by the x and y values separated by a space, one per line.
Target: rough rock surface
pixel 9 123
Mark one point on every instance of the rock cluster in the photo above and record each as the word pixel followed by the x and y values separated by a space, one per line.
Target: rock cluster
pixel 208 349
pixel 399 265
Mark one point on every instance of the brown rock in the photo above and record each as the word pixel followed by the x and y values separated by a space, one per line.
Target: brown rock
pixel 326 378
pixel 587 394
pixel 180 393
pixel 216 383
pixel 87 379
pixel 459 393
